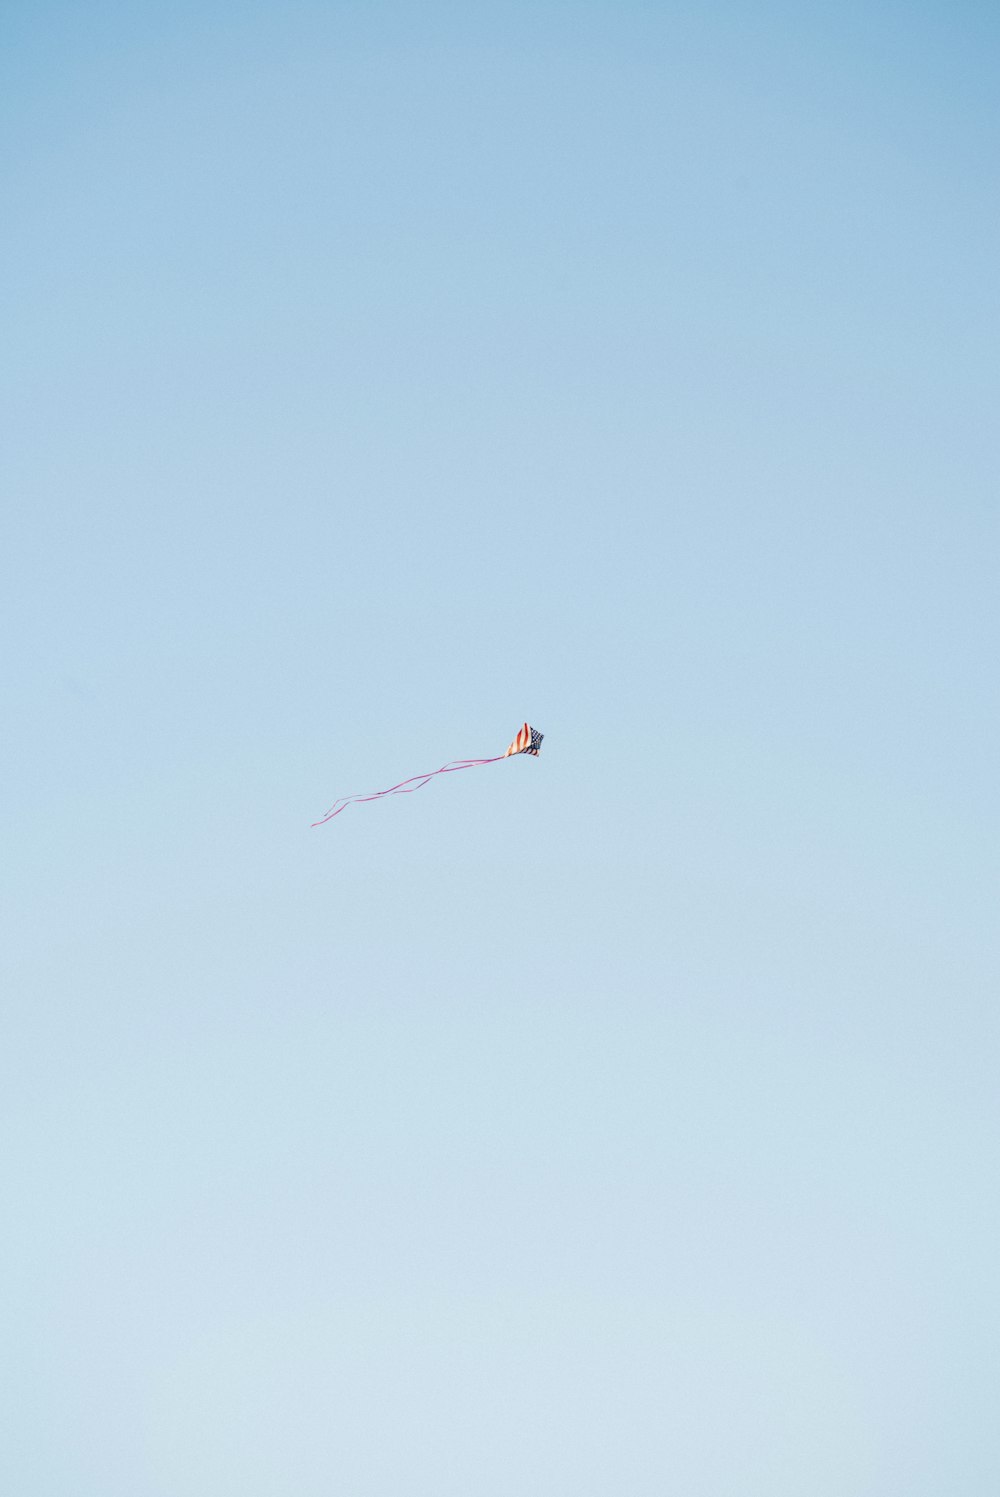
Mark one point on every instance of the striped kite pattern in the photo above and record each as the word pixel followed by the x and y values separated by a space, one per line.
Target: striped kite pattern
pixel 528 741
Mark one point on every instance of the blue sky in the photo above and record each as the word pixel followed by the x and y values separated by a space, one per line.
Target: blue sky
pixel 376 377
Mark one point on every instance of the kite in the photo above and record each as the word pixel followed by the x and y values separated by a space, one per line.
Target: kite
pixel 528 741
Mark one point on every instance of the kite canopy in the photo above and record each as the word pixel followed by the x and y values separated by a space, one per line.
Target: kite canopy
pixel 528 741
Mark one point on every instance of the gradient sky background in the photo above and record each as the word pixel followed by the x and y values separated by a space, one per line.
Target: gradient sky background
pixel 376 377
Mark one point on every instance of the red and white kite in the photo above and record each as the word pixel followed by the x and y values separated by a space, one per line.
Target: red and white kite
pixel 528 741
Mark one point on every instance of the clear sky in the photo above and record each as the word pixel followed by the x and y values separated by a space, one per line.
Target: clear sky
pixel 375 377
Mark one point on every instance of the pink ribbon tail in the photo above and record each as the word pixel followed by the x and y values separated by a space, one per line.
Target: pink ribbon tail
pixel 405 787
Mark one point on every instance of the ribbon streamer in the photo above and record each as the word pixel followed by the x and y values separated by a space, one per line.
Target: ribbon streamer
pixel 405 787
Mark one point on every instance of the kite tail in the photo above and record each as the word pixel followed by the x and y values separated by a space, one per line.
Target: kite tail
pixel 405 787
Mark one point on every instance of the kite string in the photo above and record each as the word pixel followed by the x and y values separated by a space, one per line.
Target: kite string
pixel 415 782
